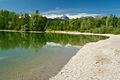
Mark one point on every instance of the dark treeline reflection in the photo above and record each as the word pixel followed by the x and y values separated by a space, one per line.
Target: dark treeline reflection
pixel 34 41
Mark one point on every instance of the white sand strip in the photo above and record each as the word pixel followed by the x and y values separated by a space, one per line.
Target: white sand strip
pixel 94 61
pixel 78 33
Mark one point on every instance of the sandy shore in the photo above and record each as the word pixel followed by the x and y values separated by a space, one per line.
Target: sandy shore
pixel 78 33
pixel 95 61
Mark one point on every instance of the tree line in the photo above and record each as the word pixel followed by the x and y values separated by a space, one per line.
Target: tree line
pixel 36 22
pixel 25 22
pixel 105 24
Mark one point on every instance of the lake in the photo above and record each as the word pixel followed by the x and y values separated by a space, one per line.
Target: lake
pixel 37 56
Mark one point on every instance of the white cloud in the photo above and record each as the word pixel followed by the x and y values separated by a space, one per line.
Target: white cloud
pixel 53 12
pixel 79 15
pixel 71 13
pixel 78 12
pixel 56 11
pixel 52 15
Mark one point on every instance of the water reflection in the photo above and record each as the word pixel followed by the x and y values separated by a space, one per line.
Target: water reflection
pixel 36 41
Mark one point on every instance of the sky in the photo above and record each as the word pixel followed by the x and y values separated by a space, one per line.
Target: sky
pixel 71 8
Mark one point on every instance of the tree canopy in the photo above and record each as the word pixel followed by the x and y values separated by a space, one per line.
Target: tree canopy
pixel 25 22
pixel 36 22
pixel 101 24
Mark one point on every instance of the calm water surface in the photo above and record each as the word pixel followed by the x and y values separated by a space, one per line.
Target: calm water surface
pixel 28 56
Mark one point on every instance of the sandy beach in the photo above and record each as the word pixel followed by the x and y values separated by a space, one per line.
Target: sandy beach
pixel 94 61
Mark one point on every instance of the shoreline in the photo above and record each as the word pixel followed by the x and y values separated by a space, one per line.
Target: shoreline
pixel 21 31
pixel 79 33
pixel 94 61
pixel 59 32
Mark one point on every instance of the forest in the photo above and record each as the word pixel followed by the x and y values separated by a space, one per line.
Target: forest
pixel 36 22
pixel 24 22
pixel 104 24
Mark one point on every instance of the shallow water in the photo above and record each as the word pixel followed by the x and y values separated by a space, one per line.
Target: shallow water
pixel 28 56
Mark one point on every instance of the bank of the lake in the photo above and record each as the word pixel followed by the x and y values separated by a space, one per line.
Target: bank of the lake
pixel 21 31
pixel 60 32
pixel 94 61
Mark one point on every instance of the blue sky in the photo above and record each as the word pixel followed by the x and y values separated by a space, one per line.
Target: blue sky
pixel 58 7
